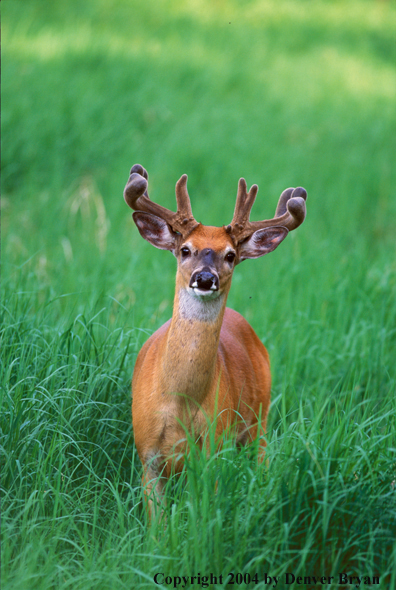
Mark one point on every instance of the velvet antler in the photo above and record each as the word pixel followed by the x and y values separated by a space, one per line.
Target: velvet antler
pixel 136 196
pixel 290 212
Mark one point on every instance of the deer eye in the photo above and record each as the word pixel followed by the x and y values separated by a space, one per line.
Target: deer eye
pixel 230 257
pixel 185 252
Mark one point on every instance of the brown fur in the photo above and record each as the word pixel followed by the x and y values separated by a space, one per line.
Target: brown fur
pixel 189 368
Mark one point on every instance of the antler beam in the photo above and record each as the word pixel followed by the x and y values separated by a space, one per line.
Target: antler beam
pixel 290 212
pixel 136 196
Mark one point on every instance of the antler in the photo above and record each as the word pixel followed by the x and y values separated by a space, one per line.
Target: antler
pixel 290 212
pixel 136 196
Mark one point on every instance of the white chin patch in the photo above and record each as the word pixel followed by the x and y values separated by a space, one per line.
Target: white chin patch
pixel 200 305
pixel 206 294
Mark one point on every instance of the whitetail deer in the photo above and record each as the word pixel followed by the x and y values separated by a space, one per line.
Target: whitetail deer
pixel 206 361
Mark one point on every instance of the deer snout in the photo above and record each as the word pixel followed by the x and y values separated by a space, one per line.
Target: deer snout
pixel 204 280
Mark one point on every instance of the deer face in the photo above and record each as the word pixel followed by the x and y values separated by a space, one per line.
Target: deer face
pixel 207 256
pixel 206 261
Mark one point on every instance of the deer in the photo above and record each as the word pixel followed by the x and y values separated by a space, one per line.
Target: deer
pixel 206 362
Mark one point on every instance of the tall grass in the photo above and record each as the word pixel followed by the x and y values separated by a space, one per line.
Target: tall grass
pixel 284 93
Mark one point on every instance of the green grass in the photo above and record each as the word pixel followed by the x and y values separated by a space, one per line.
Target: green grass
pixel 284 93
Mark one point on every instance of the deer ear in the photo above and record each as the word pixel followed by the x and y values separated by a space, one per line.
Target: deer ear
pixel 263 241
pixel 155 230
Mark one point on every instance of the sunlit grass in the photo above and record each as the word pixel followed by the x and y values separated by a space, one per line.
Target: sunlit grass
pixel 327 60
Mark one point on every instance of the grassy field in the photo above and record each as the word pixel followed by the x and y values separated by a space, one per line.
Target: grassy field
pixel 284 93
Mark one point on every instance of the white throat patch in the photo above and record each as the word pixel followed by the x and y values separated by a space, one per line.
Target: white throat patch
pixel 200 309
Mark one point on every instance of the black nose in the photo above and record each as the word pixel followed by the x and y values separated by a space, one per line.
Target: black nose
pixel 204 280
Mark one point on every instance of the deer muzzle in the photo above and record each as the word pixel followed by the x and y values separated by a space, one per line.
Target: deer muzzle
pixel 204 281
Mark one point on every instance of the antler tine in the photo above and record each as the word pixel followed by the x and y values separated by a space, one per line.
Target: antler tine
pixel 135 192
pixel 244 202
pixel 290 212
pixel 136 196
pixel 184 211
pixel 243 206
pixel 291 209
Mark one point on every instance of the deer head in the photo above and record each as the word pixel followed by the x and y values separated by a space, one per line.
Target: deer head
pixel 208 255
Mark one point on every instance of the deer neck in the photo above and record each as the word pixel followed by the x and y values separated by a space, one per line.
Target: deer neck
pixel 189 360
